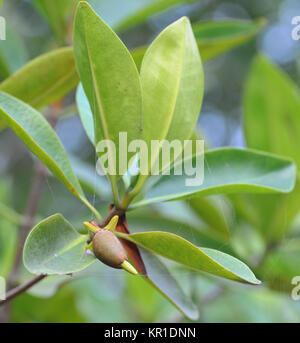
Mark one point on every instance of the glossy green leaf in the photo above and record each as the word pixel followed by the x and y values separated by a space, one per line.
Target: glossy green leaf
pixel 216 37
pixel 40 138
pixel 271 110
pixel 109 77
pixel 228 170
pixel 54 247
pixel 45 79
pixel 148 8
pixel 172 86
pixel 182 251
pixel 160 278
pixel 85 113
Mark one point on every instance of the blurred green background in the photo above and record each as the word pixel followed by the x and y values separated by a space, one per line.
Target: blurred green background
pixel 100 294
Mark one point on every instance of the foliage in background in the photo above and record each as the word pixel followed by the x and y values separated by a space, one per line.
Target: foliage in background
pixel 249 227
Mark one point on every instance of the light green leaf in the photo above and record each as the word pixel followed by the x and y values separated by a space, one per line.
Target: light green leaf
pixel 172 86
pixel 228 170
pixel 54 247
pixel 271 110
pixel 109 78
pixel 182 251
pixel 216 37
pixel 149 8
pixel 45 79
pixel 40 138
pixel 160 278
pixel 85 113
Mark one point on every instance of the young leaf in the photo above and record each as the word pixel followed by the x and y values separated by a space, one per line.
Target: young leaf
pixel 109 78
pixel 45 79
pixel 182 251
pixel 54 247
pixel 172 85
pixel 228 170
pixel 40 138
pixel 160 278
pixel 216 37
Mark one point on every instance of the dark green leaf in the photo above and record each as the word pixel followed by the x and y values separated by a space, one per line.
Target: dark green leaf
pixel 228 170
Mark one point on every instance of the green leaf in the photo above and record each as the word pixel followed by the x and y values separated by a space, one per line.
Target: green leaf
pixel 172 85
pixel 228 170
pixel 40 138
pixel 160 278
pixel 45 79
pixel 182 251
pixel 150 8
pixel 109 78
pixel 85 113
pixel 216 37
pixel 54 247
pixel 271 110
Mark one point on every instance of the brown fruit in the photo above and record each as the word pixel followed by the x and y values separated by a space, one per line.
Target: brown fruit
pixel 108 249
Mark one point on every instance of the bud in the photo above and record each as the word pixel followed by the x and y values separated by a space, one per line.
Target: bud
pixel 108 249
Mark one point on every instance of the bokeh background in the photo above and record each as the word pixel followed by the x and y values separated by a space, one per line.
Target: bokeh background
pixel 101 294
